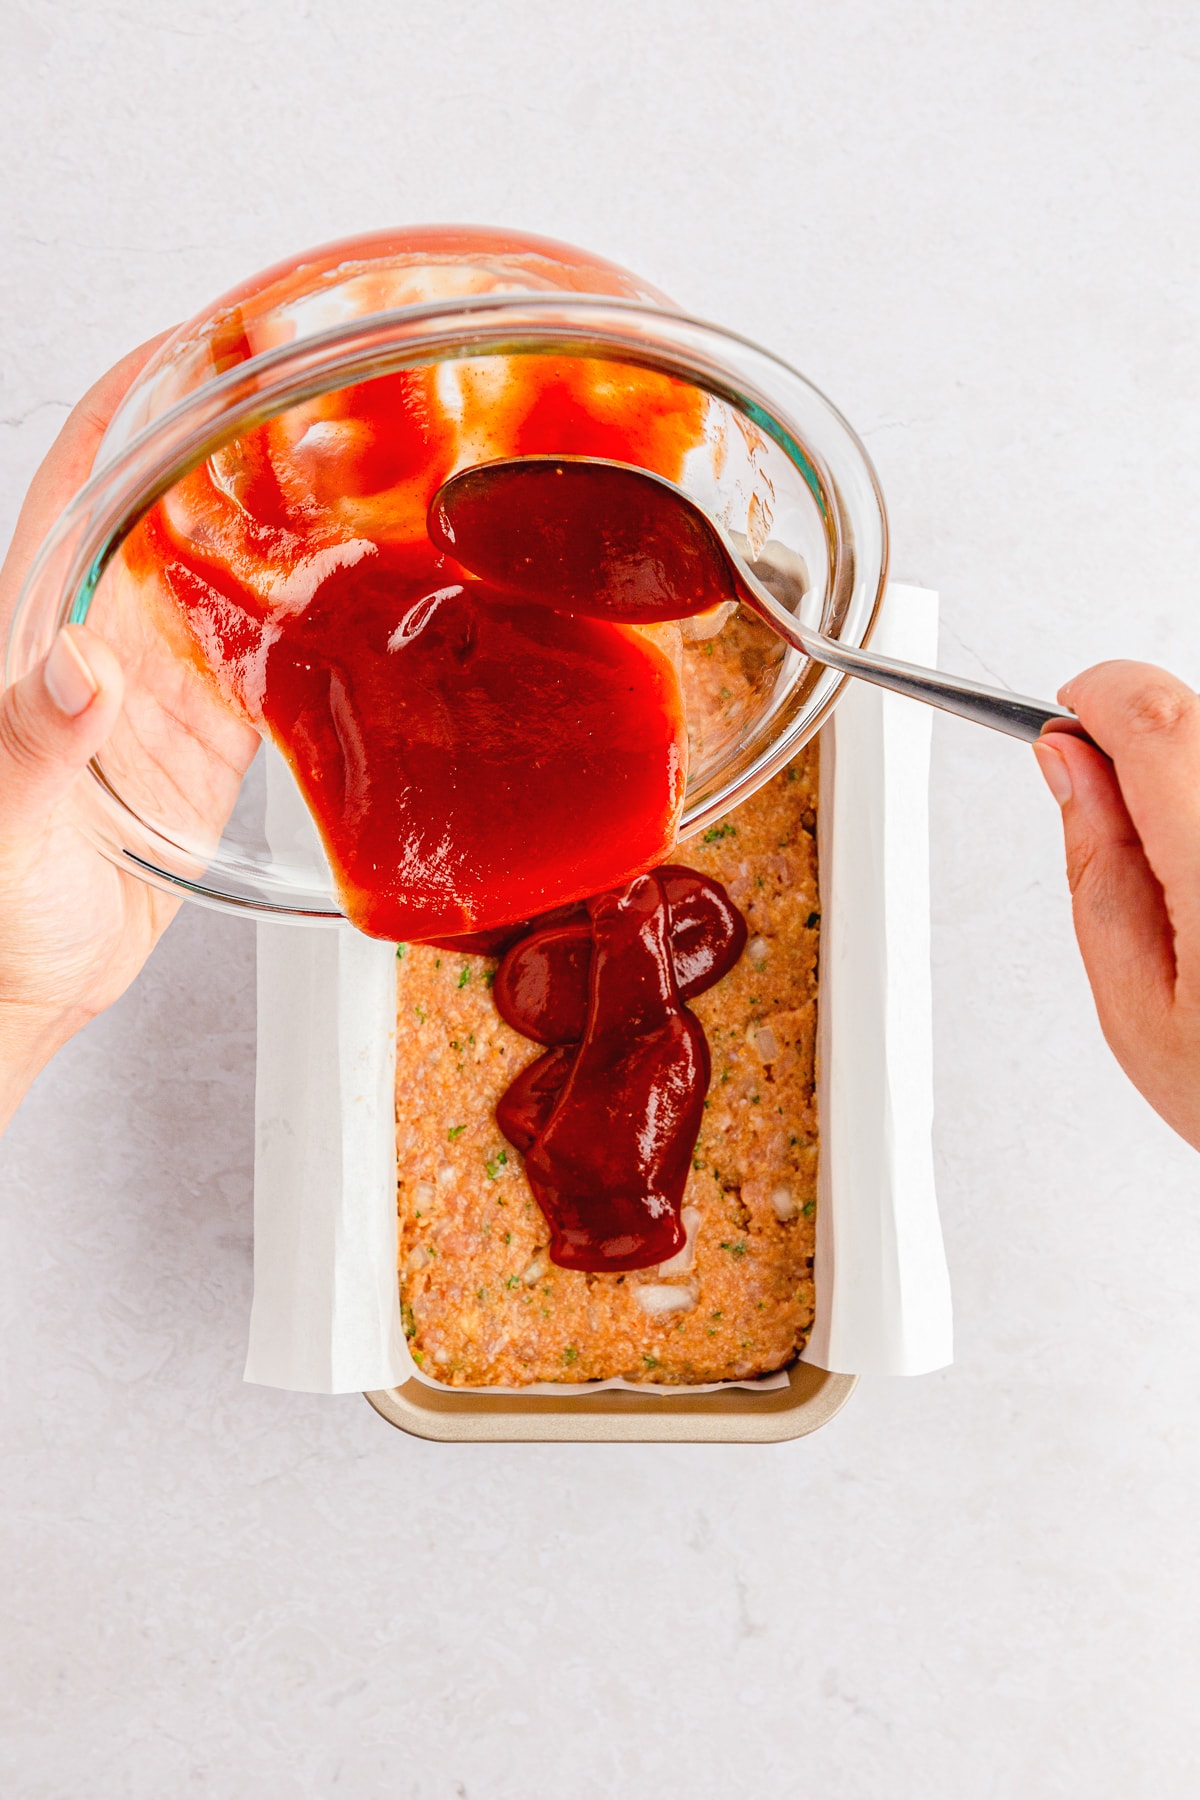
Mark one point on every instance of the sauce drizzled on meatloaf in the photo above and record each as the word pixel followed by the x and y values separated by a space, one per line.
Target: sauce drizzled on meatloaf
pixel 608 1119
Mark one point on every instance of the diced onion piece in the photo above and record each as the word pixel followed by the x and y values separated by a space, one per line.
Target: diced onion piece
pixel 418 1259
pixel 681 1262
pixel 784 1203
pixel 658 1299
pixel 445 1175
pixel 757 949
pixel 533 1271
pixel 424 1193
pixel 708 623
pixel 441 1356
pixel 764 1041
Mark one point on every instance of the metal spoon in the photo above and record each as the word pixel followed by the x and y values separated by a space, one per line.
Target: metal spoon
pixel 1016 714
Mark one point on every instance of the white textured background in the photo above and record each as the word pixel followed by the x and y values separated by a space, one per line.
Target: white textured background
pixel 975 226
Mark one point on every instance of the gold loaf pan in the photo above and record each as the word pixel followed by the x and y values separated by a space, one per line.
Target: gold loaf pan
pixel 730 1415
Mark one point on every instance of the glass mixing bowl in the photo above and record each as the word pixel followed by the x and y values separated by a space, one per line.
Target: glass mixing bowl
pixel 180 792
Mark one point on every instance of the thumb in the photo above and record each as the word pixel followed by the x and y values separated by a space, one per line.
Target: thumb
pixel 1121 918
pixel 52 722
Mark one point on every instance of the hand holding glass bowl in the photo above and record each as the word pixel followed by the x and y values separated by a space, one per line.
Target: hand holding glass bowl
pixel 75 928
pixel 164 799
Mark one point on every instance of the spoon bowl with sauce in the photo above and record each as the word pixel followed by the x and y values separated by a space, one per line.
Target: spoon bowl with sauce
pixel 613 541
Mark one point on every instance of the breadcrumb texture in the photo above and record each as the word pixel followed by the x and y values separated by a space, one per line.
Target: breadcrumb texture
pixel 483 1306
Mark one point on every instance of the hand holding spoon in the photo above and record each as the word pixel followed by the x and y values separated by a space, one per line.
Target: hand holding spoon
pixel 609 539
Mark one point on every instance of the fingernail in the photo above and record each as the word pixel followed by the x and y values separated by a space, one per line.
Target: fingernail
pixel 69 682
pixel 1054 768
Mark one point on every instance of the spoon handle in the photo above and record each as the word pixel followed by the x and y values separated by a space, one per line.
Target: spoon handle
pixel 1016 714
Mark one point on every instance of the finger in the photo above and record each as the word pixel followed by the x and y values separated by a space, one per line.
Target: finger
pixel 67 465
pixel 1121 920
pixel 1148 722
pixel 51 722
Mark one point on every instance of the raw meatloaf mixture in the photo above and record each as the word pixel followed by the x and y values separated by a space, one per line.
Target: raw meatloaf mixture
pixel 482 1303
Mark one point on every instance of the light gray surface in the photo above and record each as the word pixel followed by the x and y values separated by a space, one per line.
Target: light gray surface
pixel 975 227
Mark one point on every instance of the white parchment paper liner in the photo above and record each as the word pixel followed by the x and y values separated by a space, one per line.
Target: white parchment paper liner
pixel 326 1316
pixel 882 1286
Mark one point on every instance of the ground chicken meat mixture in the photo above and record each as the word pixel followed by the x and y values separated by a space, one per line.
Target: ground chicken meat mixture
pixel 482 1303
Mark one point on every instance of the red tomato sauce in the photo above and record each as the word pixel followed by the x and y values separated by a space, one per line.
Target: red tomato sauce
pixel 471 757
pixel 607 1120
